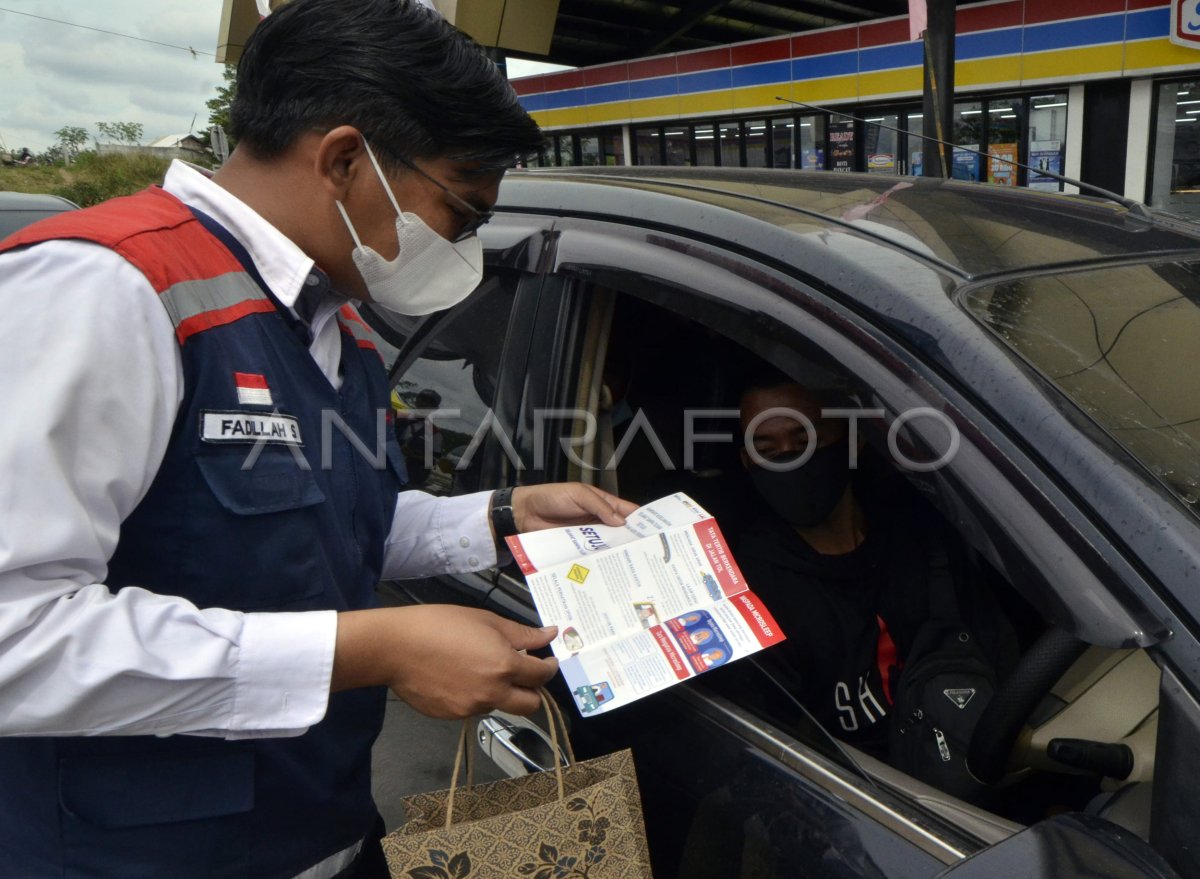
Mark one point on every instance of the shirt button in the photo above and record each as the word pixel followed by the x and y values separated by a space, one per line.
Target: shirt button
pixel 464 542
pixel 473 562
pixel 312 280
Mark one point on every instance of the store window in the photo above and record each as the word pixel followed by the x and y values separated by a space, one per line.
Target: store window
pixel 1175 173
pixel 566 149
pixel 1003 140
pixel 783 143
pixel 967 125
pixel 810 139
pixel 731 144
pixel 917 149
pixel 881 143
pixel 612 146
pixel 706 145
pixel 1047 139
pixel 648 146
pixel 589 150
pixel 679 146
pixel 758 153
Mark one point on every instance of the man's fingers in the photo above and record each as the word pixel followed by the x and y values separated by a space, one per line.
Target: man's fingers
pixel 525 637
pixel 521 701
pixel 608 508
pixel 533 671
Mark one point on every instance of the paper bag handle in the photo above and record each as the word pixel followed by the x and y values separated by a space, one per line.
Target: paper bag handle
pixel 554 719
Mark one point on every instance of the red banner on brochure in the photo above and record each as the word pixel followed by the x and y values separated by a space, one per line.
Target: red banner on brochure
pixel 663 640
pixel 758 618
pixel 520 556
pixel 728 574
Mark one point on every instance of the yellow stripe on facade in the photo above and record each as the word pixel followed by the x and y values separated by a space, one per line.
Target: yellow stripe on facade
pixel 617 111
pixel 568 117
pixel 1069 63
pixel 988 71
pixel 760 95
pixel 1154 54
pixel 889 82
pixel 833 88
pixel 707 102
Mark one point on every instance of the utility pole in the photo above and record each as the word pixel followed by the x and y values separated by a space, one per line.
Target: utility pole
pixel 938 105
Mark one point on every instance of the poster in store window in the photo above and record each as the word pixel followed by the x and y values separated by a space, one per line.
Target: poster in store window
pixel 1001 169
pixel 841 145
pixel 1045 155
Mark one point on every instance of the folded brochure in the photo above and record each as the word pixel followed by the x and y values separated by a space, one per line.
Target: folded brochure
pixel 642 606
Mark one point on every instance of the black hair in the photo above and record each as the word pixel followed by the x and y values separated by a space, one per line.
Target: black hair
pixel 824 386
pixel 415 86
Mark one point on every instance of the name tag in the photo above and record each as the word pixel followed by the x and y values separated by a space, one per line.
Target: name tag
pixel 249 427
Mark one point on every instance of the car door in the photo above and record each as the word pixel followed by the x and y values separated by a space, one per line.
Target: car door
pixel 741 785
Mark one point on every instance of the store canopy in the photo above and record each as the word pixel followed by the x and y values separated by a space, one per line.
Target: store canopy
pixel 590 32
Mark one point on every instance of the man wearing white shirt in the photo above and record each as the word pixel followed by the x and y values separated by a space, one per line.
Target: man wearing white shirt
pixel 190 665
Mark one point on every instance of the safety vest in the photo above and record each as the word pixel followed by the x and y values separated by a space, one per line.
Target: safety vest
pixel 271 497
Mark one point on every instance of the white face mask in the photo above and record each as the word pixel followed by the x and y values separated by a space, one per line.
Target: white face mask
pixel 428 274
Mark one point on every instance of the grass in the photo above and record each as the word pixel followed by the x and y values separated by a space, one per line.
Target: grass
pixel 91 179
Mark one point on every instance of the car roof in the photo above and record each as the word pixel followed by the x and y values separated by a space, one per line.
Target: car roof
pixel 969 230
pixel 34 201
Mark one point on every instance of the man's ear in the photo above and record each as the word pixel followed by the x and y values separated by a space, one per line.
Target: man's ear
pixel 339 158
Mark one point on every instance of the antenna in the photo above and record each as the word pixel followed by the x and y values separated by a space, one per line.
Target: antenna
pixel 1134 206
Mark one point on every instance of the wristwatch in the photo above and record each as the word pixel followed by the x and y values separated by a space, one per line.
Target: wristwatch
pixel 504 523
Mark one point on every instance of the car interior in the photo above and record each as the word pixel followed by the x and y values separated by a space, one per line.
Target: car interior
pixel 645 355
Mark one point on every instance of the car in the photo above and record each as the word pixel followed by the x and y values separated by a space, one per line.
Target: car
pixel 19 209
pixel 1029 360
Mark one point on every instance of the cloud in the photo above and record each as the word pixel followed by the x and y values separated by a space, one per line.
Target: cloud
pixel 57 75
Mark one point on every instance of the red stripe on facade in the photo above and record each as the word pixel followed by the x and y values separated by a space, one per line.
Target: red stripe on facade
pixel 651 67
pixel 842 39
pixel 221 317
pixel 709 59
pixel 757 53
pixel 971 19
pixel 883 33
pixel 529 85
pixel 1135 5
pixel 606 74
pixel 250 380
pixel 1060 9
pixel 568 79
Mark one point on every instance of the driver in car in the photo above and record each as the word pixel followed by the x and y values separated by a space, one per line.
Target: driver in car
pixel 847 561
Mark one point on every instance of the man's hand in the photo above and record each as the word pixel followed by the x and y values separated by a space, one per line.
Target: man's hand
pixel 443 660
pixel 567 503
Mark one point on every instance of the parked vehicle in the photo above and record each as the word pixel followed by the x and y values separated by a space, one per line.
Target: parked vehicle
pixel 1049 342
pixel 19 209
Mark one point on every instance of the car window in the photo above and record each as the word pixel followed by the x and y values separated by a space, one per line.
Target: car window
pixel 1115 341
pixel 444 385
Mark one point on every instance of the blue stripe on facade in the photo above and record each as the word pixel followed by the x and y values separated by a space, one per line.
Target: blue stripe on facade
pixel 880 58
pixel 1076 34
pixel 705 81
pixel 762 74
pixel 554 100
pixel 606 94
pixel 659 87
pixel 988 44
pixel 1148 24
pixel 824 66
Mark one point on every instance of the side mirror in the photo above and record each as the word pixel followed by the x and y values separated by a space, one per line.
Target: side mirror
pixel 1070 846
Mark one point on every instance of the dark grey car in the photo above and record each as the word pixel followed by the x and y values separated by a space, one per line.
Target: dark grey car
pixel 19 209
pixel 1051 343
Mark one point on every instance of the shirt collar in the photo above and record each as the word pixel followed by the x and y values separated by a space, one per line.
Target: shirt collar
pixel 282 264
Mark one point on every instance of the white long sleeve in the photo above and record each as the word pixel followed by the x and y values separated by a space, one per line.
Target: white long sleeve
pixel 91 384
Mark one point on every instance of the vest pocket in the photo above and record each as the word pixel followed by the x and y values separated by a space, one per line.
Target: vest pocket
pixel 135 815
pixel 273 484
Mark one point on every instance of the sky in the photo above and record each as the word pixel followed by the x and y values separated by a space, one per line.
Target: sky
pixel 53 74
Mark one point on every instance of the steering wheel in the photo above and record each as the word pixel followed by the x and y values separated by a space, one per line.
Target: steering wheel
pixel 1014 701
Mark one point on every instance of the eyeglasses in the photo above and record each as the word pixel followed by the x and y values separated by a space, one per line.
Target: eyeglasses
pixel 474 216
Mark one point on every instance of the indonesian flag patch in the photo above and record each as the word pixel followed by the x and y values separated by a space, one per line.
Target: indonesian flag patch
pixel 252 389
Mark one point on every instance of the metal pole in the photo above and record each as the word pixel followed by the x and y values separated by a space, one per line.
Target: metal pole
pixel 938 105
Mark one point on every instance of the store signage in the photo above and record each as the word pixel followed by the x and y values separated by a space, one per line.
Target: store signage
pixel 1185 23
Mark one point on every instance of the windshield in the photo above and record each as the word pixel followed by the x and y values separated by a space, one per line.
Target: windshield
pixel 1121 343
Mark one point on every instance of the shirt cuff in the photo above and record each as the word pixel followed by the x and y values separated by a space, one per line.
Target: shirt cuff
pixel 465 521
pixel 284 669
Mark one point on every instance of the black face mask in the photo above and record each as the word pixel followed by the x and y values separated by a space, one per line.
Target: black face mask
pixel 806 495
